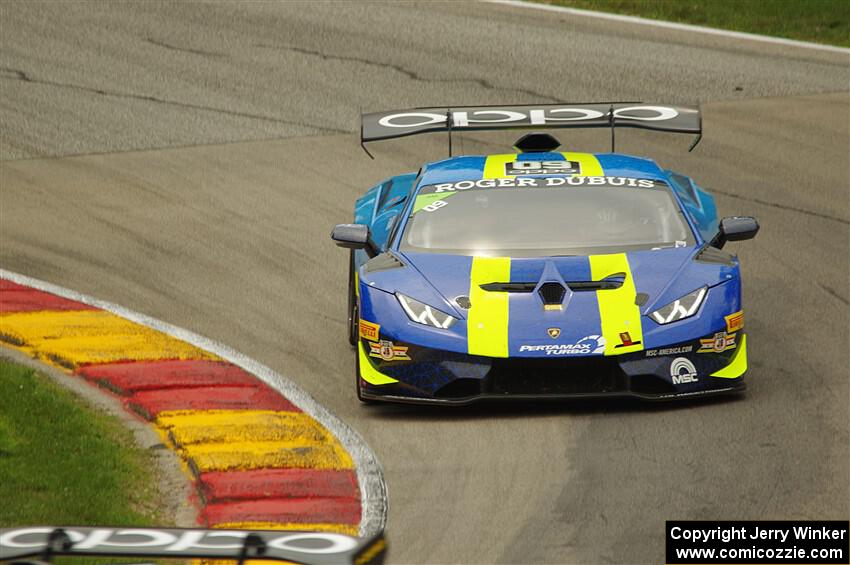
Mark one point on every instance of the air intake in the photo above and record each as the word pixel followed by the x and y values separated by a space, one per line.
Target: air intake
pixel 612 282
pixel 552 294
pixel 509 287
pixel 536 142
pixel 609 283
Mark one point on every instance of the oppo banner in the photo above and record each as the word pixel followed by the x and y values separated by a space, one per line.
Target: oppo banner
pixel 296 547
pixel 399 123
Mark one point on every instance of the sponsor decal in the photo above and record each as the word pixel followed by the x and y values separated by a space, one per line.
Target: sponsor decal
pixel 626 340
pixel 549 182
pixel 554 332
pixel 683 371
pixel 368 330
pixel 734 322
pixel 164 542
pixel 669 351
pixel 434 206
pixel 717 344
pixel 584 346
pixel 515 168
pixel 531 116
pixel 388 351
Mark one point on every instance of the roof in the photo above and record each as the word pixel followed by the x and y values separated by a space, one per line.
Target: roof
pixel 475 167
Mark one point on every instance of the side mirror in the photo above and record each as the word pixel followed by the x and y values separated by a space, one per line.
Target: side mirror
pixel 354 236
pixel 735 228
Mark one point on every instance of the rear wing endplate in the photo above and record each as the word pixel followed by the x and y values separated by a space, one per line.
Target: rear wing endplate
pixel 42 543
pixel 659 117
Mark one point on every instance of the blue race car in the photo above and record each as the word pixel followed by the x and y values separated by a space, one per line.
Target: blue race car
pixel 542 273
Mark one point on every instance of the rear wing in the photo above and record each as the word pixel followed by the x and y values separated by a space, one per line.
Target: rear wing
pixel 401 123
pixel 319 548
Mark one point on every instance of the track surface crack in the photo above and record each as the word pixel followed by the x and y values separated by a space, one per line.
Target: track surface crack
pixel 412 75
pixel 832 292
pixel 7 73
pixel 171 47
pixel 782 206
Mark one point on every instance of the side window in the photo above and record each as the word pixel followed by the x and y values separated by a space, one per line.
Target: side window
pixel 393 228
pixel 684 187
pixel 386 190
pixel 698 204
pixel 391 225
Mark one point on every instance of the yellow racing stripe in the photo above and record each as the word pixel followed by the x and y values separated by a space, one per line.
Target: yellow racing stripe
pixel 494 166
pixel 487 324
pixel 618 312
pixel 588 164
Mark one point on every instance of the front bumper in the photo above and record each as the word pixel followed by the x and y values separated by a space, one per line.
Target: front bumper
pixel 432 376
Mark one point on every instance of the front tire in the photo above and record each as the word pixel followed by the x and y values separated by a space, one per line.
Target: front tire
pixel 353 312
pixel 354 330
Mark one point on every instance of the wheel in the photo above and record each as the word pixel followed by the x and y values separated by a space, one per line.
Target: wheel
pixel 354 329
pixel 353 314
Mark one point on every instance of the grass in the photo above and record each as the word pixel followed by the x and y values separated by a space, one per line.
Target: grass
pixel 64 463
pixel 819 21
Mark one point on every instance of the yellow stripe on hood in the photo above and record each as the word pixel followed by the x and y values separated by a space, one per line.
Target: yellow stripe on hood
pixel 618 312
pixel 494 165
pixel 487 321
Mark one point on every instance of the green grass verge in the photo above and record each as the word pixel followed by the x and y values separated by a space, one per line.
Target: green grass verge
pixel 62 462
pixel 820 21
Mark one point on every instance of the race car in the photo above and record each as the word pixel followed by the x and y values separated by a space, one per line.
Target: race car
pixel 542 273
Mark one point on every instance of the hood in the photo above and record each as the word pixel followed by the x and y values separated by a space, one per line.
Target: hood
pixel 578 305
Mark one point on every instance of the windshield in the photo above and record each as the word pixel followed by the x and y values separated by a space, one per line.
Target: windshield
pixel 534 217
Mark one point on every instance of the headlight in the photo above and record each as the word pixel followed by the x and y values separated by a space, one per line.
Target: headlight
pixel 680 309
pixel 424 314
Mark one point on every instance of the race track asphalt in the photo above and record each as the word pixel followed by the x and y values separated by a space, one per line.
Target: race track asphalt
pixel 188 162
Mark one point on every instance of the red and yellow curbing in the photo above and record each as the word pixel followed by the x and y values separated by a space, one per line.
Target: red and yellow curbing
pixel 256 459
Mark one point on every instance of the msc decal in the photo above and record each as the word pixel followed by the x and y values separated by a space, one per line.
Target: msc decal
pixel 539 183
pixel 515 168
pixel 734 322
pixel 368 330
pixel 669 351
pixel 585 346
pixel 388 351
pixel 683 371
pixel 717 344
